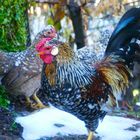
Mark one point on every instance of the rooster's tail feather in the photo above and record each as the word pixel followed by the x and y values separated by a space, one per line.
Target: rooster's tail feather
pixel 115 75
pixel 125 39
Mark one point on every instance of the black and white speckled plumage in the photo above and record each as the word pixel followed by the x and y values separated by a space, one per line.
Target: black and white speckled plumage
pixel 72 82
pixel 69 99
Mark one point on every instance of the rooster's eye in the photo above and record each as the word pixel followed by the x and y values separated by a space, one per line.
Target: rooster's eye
pixel 49 32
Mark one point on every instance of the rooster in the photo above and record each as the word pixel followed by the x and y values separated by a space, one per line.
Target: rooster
pixel 22 70
pixel 88 89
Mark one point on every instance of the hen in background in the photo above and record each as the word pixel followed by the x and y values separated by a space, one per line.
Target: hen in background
pixel 22 71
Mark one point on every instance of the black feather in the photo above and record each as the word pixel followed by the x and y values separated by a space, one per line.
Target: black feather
pixel 128 28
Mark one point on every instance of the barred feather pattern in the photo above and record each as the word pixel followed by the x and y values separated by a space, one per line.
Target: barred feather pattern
pixel 71 70
pixel 76 73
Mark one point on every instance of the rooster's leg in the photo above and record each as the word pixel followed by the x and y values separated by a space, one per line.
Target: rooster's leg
pixel 90 135
pixel 39 104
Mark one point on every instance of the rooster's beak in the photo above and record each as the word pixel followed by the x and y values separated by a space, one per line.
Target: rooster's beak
pixel 40 53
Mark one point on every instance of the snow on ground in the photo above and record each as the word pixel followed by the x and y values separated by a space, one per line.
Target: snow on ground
pixel 138 103
pixel 42 123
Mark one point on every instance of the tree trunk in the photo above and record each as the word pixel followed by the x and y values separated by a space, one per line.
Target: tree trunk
pixel 76 17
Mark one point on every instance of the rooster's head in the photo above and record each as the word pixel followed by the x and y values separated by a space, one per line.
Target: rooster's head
pixel 54 50
pixel 47 51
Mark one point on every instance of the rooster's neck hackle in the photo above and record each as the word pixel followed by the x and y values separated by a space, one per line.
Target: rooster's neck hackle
pixel 66 54
pixel 64 57
pixel 67 68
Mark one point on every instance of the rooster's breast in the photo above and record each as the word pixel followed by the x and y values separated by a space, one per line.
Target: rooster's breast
pixel 71 100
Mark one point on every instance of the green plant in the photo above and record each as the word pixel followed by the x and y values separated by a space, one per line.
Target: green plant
pixel 13 21
pixel 13 126
pixel 4 101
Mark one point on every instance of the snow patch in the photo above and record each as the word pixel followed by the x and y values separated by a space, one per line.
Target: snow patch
pixel 138 103
pixel 43 123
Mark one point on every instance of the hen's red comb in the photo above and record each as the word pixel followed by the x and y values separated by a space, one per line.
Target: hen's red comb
pixel 41 43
